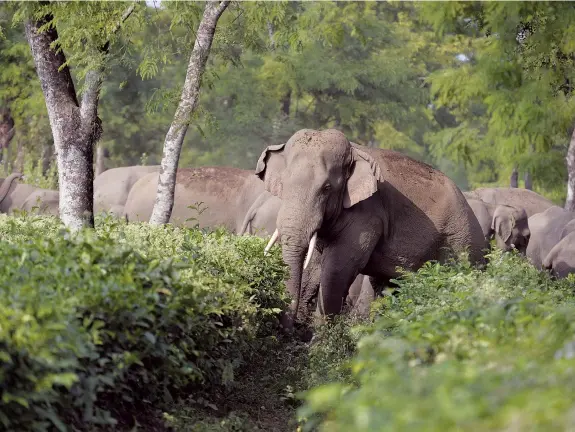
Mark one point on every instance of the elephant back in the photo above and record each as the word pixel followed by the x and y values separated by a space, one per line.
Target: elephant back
pixel 530 201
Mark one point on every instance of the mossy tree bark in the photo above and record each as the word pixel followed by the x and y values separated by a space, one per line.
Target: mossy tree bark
pixel 75 126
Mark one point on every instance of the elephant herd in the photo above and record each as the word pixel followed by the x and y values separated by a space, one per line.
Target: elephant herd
pixel 347 216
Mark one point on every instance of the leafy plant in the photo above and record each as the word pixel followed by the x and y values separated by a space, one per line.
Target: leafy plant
pixel 459 348
pixel 97 325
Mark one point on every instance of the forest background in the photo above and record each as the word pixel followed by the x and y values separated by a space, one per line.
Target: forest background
pixel 475 89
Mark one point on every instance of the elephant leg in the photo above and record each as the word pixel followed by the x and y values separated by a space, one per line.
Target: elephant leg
pixel 343 260
pixel 366 295
pixel 354 291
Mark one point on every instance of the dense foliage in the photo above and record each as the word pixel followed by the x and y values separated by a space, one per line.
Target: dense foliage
pixel 512 97
pixel 422 78
pixel 457 349
pixel 128 318
pixel 95 326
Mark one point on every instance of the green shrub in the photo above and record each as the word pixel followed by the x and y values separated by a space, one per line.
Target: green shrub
pixel 460 349
pixel 125 317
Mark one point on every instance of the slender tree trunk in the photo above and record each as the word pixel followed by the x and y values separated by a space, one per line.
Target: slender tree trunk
pixel 514 180
pixel 100 156
pixel 570 201
pixel 19 165
pixel 286 104
pixel 75 127
pixel 271 35
pixel 46 158
pixel 7 156
pixel 527 180
pixel 188 102
pixel 7 129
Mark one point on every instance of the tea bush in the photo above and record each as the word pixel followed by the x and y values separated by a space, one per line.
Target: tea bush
pixel 123 317
pixel 460 349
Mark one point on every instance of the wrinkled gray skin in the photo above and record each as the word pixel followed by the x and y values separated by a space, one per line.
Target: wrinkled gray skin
pixel 226 195
pixel 111 188
pixel 372 210
pixel 361 294
pixel 14 195
pixel 561 258
pixel 261 216
pixel 508 225
pixel 526 199
pixel 546 231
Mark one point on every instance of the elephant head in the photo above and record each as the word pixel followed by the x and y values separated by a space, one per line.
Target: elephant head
pixel 510 228
pixel 316 174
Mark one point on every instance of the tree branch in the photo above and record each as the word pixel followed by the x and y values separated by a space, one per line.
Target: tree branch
pixel 95 78
pixel 221 8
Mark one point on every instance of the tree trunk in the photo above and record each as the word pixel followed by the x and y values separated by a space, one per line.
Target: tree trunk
pixel 271 35
pixel 75 127
pixel 514 180
pixel 100 157
pixel 570 201
pixel 6 128
pixel 19 165
pixel 188 102
pixel 74 135
pixel 46 158
pixel 527 180
pixel 286 104
pixel 6 153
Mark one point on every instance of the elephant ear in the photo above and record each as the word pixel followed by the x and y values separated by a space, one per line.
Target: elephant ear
pixel 363 179
pixel 271 165
pixel 502 225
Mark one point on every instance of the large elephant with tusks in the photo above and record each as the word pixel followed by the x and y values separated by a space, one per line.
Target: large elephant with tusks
pixel 372 211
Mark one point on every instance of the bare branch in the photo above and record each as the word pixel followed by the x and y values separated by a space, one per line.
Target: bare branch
pixel 221 8
pixel 125 16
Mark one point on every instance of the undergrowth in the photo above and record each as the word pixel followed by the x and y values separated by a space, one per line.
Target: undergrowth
pixel 99 330
pixel 460 349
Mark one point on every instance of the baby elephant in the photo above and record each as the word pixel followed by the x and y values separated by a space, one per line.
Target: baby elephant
pixel 507 224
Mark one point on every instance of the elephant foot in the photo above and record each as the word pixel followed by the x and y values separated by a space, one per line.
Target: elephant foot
pixel 306 335
pixel 287 322
pixel 299 330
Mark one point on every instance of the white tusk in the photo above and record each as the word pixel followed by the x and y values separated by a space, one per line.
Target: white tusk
pixel 310 250
pixel 272 241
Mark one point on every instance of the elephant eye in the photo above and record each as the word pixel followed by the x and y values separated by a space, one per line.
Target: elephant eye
pixel 327 186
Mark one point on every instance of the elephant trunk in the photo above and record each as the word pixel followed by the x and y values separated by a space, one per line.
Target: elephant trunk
pixel 293 256
pixel 251 213
pixel 299 236
pixel 6 184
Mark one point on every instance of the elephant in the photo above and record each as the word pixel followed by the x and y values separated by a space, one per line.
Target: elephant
pixel 26 197
pixel 261 215
pixel 111 188
pixel 372 210
pixel 361 294
pixel 546 231
pixel 560 260
pixel 532 202
pixel 225 194
pixel 508 225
